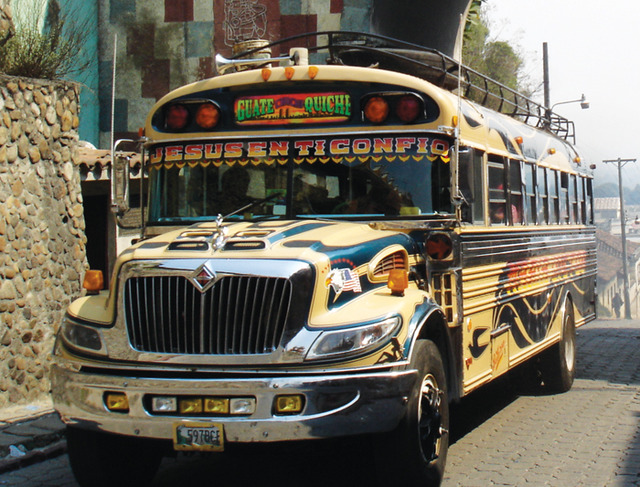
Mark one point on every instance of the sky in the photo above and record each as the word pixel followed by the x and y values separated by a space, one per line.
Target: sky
pixel 593 50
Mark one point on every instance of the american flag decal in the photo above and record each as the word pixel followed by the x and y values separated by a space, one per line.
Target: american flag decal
pixel 343 280
pixel 351 281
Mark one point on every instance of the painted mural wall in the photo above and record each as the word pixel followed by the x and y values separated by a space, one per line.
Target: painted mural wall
pixel 160 45
pixel 163 44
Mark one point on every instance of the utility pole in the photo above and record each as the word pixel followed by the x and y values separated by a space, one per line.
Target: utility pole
pixel 627 305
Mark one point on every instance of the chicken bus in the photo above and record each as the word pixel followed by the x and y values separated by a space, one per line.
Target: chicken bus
pixel 339 240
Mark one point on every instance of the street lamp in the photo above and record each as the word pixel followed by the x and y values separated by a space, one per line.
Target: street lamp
pixel 584 104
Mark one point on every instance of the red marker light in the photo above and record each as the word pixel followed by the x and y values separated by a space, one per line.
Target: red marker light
pixel 439 246
pixel 177 117
pixel 408 109
pixel 207 116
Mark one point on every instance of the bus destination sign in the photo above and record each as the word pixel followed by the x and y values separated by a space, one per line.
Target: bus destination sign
pixel 293 108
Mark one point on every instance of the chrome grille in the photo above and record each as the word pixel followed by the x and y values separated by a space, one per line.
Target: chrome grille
pixel 238 315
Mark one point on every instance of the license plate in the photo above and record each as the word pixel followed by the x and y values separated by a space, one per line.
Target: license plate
pixel 198 436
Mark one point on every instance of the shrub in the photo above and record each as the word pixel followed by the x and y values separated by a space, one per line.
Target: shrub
pixel 48 50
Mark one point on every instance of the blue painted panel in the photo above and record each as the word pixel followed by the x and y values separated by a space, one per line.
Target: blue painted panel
pixel 199 39
pixel 120 7
pixel 290 7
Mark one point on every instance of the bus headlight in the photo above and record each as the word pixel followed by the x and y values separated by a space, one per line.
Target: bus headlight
pixel 82 337
pixel 347 341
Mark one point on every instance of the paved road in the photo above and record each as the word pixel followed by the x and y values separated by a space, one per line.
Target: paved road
pixel 504 435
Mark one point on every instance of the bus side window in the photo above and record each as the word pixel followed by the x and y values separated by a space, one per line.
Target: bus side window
pixel 497 191
pixel 564 198
pixel 582 207
pixel 470 182
pixel 543 195
pixel 515 192
pixel 530 191
pixel 554 196
pixel 589 201
pixel 573 198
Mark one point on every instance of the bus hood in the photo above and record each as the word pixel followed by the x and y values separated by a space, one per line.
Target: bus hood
pixel 347 258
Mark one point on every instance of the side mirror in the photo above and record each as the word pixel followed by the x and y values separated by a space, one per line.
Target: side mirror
pixel 119 180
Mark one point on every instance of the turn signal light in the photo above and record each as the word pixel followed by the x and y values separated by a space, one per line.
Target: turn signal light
pixel 116 401
pixel 398 281
pixel 376 110
pixel 93 281
pixel 207 116
pixel 177 117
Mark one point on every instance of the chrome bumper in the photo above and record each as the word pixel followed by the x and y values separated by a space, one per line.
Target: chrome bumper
pixel 335 405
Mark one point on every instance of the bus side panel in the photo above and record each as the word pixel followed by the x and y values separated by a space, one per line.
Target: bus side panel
pixel 514 286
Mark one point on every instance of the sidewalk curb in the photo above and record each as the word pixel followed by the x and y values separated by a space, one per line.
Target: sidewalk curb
pixel 37 455
pixel 28 440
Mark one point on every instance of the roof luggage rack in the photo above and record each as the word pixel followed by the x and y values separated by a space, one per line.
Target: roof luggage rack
pixel 364 49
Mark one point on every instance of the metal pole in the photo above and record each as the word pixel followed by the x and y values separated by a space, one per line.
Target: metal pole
pixel 545 67
pixel 627 305
pixel 546 86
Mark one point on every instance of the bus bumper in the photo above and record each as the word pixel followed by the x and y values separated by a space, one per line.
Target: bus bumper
pixel 334 405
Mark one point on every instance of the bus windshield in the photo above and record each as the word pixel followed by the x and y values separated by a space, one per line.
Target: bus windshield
pixel 358 186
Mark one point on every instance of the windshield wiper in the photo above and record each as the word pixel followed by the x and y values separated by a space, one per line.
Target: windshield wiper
pixel 252 204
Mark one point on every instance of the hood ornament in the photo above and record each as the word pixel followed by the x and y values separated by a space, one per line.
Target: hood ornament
pixel 221 235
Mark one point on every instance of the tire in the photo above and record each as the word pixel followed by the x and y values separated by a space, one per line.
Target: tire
pixel 558 366
pixel 101 459
pixel 416 451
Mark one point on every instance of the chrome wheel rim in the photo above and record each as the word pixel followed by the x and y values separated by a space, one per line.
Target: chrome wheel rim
pixel 430 418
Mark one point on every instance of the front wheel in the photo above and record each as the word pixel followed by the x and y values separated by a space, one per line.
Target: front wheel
pixel 558 366
pixel 101 459
pixel 417 449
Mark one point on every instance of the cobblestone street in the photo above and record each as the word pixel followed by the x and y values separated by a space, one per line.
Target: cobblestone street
pixel 589 436
pixel 586 437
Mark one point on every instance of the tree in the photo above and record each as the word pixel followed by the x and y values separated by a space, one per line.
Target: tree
pixel 495 59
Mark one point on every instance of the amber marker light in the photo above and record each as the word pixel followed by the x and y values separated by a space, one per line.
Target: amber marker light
pixel 552 151
pixel 376 110
pixel 216 405
pixel 398 281
pixel 266 74
pixel 519 140
pixel 289 72
pixel 313 72
pixel 289 404
pixel 190 405
pixel 93 281
pixel 116 401
pixel 207 116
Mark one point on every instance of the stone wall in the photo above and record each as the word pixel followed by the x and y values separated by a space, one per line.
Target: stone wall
pixel 42 241
pixel 6 22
